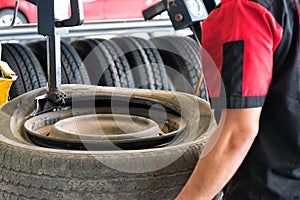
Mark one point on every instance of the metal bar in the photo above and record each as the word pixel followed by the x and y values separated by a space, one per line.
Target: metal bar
pixel 29 32
pixel 54 63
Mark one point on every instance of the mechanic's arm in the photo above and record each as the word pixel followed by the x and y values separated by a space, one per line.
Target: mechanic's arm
pixel 231 142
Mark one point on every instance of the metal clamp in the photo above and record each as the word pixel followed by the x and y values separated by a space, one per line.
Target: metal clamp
pixel 76 15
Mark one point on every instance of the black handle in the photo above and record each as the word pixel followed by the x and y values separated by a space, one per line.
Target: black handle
pixel 154 10
pixel 76 15
pixel 32 1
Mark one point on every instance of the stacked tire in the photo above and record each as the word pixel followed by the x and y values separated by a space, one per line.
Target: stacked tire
pixel 29 62
pixel 181 55
pixel 24 63
pixel 105 63
pixel 73 70
pixel 161 63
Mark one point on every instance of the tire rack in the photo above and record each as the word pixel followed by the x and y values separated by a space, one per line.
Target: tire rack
pixel 96 28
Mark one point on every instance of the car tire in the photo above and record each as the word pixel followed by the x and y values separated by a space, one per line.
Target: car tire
pixel 24 63
pixel 6 16
pixel 73 70
pixel 31 172
pixel 145 61
pixel 183 55
pixel 105 63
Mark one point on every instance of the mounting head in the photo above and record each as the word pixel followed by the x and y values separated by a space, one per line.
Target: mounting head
pixel 184 13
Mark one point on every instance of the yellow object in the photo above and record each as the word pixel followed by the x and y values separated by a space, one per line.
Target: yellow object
pixel 9 76
pixel 199 84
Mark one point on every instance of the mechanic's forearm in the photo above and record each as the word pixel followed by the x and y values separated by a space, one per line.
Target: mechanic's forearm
pixel 214 170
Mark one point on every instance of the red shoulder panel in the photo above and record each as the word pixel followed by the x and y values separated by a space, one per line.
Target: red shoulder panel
pixel 242 20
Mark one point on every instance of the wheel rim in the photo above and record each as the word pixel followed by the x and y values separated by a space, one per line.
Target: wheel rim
pixel 7 19
pixel 64 130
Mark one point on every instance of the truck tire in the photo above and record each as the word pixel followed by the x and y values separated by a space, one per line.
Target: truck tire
pixel 32 172
pixel 24 63
pixel 105 63
pixel 73 70
pixel 183 55
pixel 146 64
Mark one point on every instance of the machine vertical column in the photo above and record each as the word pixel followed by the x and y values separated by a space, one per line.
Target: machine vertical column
pixel 54 62
pixel 51 23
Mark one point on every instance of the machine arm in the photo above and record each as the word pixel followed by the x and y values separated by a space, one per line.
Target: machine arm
pixel 52 28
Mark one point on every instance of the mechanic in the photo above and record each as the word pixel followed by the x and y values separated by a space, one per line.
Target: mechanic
pixel 255 45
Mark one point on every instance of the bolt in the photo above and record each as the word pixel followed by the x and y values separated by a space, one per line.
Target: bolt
pixel 178 17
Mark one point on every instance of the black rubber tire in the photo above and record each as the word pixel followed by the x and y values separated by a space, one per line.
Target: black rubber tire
pixel 73 70
pixel 183 55
pixel 21 19
pixel 31 172
pixel 145 61
pixel 106 64
pixel 24 63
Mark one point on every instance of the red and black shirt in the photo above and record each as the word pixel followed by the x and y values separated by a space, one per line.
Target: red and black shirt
pixel 255 46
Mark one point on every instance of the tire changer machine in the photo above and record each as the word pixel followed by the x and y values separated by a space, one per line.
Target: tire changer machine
pixel 182 13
